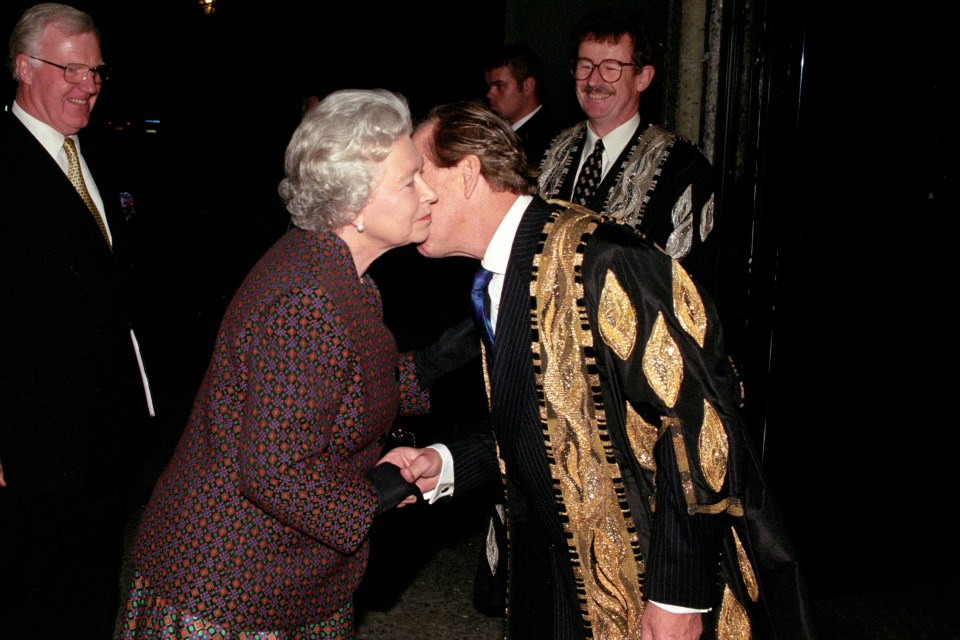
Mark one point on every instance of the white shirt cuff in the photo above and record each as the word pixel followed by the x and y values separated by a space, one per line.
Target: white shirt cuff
pixel 444 488
pixel 673 608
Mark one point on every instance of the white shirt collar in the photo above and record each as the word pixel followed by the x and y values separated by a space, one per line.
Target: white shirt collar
pixel 498 251
pixel 519 123
pixel 52 141
pixel 50 138
pixel 613 143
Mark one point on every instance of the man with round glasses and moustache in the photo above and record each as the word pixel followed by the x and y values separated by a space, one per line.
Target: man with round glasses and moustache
pixel 646 177
pixel 74 401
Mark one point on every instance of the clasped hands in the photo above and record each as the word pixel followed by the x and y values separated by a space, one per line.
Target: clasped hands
pixel 423 466
pixel 418 466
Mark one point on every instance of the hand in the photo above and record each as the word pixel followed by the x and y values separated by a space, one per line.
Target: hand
pixel 390 487
pixel 659 624
pixel 420 466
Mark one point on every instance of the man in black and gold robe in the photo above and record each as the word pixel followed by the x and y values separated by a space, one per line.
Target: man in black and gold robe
pixel 635 505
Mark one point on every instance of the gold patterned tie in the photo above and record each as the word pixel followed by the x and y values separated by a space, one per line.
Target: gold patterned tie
pixel 76 177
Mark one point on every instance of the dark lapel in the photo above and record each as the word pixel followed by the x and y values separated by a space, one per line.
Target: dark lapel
pixel 511 370
pixel 45 193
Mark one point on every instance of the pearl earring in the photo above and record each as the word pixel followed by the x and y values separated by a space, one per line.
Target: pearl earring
pixel 360 227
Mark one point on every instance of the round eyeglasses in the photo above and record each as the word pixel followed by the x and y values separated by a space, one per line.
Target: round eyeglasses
pixel 610 70
pixel 77 73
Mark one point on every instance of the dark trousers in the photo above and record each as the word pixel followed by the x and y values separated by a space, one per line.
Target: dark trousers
pixel 59 565
pixel 541 600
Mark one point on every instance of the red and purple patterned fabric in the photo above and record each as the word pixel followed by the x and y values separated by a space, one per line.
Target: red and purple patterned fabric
pixel 260 520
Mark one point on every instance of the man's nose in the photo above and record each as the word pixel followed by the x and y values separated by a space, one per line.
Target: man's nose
pixel 599 80
pixel 89 83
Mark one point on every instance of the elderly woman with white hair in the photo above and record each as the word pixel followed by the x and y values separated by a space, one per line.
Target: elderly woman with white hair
pixel 258 526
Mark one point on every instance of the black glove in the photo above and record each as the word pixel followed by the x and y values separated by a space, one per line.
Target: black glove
pixel 390 486
pixel 457 346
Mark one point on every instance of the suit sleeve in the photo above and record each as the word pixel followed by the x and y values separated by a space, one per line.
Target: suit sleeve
pixel 677 380
pixel 303 423
pixel 475 462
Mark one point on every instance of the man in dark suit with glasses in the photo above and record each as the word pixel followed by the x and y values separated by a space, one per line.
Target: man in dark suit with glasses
pixel 74 399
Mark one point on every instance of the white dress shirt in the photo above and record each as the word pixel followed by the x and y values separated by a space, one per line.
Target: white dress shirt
pixel 494 260
pixel 519 123
pixel 498 253
pixel 613 145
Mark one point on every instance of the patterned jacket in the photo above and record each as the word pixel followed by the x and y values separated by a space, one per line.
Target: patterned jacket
pixel 661 185
pixel 260 520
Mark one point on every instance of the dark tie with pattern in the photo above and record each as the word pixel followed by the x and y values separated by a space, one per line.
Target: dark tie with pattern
pixel 589 178
pixel 76 177
pixel 478 297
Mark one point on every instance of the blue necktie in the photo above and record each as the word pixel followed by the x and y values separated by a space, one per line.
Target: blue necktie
pixel 477 294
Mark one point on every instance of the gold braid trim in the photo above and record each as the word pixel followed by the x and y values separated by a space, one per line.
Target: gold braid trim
pixel 603 542
pixel 486 384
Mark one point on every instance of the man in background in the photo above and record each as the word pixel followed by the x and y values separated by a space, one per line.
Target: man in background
pixel 636 172
pixel 514 75
pixel 74 400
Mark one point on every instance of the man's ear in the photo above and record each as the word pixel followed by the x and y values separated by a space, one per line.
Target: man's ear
pixel 24 68
pixel 645 77
pixel 469 167
pixel 530 85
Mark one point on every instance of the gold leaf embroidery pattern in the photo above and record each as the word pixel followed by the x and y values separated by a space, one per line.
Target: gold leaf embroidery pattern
pixel 603 542
pixel 642 436
pixel 746 569
pixel 688 306
pixel 732 622
pixel 714 448
pixel 662 362
pixel 617 317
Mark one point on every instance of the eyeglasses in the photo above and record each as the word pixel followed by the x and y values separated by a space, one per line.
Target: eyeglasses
pixel 610 70
pixel 77 73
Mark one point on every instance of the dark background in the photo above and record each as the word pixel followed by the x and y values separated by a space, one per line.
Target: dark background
pixel 200 108
pixel 836 154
